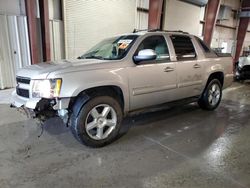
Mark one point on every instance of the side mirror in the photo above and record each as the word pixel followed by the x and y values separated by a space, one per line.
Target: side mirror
pixel 145 55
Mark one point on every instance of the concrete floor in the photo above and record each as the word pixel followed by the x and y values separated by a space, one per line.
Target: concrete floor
pixel 179 147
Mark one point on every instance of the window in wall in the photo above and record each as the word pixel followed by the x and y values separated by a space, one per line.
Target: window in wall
pixel 184 47
pixel 156 43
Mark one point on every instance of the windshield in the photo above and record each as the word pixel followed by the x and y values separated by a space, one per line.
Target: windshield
pixel 111 49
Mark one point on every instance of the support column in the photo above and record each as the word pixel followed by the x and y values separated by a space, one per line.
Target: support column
pixel 242 30
pixel 33 34
pixel 212 10
pixel 44 15
pixel 154 16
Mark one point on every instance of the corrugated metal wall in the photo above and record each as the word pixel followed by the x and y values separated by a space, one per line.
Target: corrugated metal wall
pixel 182 16
pixel 141 16
pixel 56 39
pixel 6 65
pixel 14 48
pixel 88 22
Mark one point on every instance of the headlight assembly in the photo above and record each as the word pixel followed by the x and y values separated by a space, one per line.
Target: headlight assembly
pixel 49 88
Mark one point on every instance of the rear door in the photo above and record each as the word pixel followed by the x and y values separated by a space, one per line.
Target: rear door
pixel 190 70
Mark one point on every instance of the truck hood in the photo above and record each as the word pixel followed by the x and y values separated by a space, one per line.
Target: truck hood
pixel 42 70
pixel 244 61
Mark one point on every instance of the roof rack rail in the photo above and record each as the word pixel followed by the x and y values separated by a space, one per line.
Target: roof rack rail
pixel 139 30
pixel 154 30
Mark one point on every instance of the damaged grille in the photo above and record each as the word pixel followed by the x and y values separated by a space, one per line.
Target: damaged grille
pixel 22 86
pixel 246 68
pixel 22 92
pixel 22 80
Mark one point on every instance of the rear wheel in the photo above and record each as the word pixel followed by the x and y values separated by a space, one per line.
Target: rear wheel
pixel 98 122
pixel 211 96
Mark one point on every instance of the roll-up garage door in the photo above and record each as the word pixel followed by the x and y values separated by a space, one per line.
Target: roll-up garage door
pixel 87 22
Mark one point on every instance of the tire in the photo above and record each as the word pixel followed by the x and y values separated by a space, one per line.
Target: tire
pixel 101 114
pixel 212 91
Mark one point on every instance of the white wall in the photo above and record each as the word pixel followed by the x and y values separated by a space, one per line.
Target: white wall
pixel 182 16
pixel 88 22
pixel 12 7
pixel 56 30
pixel 55 12
pixel 235 4
pixel 142 17
pixel 226 35
pixel 14 48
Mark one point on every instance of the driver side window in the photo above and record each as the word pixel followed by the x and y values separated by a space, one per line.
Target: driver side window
pixel 156 43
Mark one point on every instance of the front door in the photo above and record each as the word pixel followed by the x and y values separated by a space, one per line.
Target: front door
pixel 153 82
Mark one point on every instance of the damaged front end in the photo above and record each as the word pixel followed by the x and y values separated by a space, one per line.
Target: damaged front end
pixel 243 69
pixel 45 109
pixel 40 99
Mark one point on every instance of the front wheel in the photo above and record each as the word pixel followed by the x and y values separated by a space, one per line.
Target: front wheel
pixel 211 97
pixel 98 122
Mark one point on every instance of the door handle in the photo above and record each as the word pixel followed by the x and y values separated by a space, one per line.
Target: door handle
pixel 168 69
pixel 196 66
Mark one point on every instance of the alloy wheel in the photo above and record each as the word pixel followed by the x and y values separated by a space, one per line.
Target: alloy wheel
pixel 101 121
pixel 214 94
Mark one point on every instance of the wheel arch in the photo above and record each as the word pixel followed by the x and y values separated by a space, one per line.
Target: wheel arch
pixel 76 103
pixel 216 75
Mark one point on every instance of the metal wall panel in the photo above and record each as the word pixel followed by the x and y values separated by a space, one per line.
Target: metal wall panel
pixel 182 16
pixel 6 66
pixel 14 42
pixel 56 40
pixel 24 40
pixel 141 20
pixel 14 51
pixel 142 4
pixel 51 39
pixel 142 17
pixel 88 22
pixel 197 2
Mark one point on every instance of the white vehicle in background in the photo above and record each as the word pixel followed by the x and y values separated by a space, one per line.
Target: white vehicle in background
pixel 243 68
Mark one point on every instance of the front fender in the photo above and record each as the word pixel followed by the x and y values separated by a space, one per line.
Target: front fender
pixel 76 82
pixel 78 104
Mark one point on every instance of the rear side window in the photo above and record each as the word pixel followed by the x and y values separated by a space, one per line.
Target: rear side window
pixel 184 48
pixel 156 43
pixel 207 51
pixel 203 46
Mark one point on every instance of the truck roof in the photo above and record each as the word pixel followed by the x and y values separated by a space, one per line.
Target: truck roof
pixel 160 30
pixel 145 31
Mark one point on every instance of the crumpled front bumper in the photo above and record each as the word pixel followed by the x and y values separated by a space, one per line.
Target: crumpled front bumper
pixel 24 105
pixel 37 107
pixel 17 101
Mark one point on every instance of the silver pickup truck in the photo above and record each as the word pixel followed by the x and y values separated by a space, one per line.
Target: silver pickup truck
pixel 121 75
